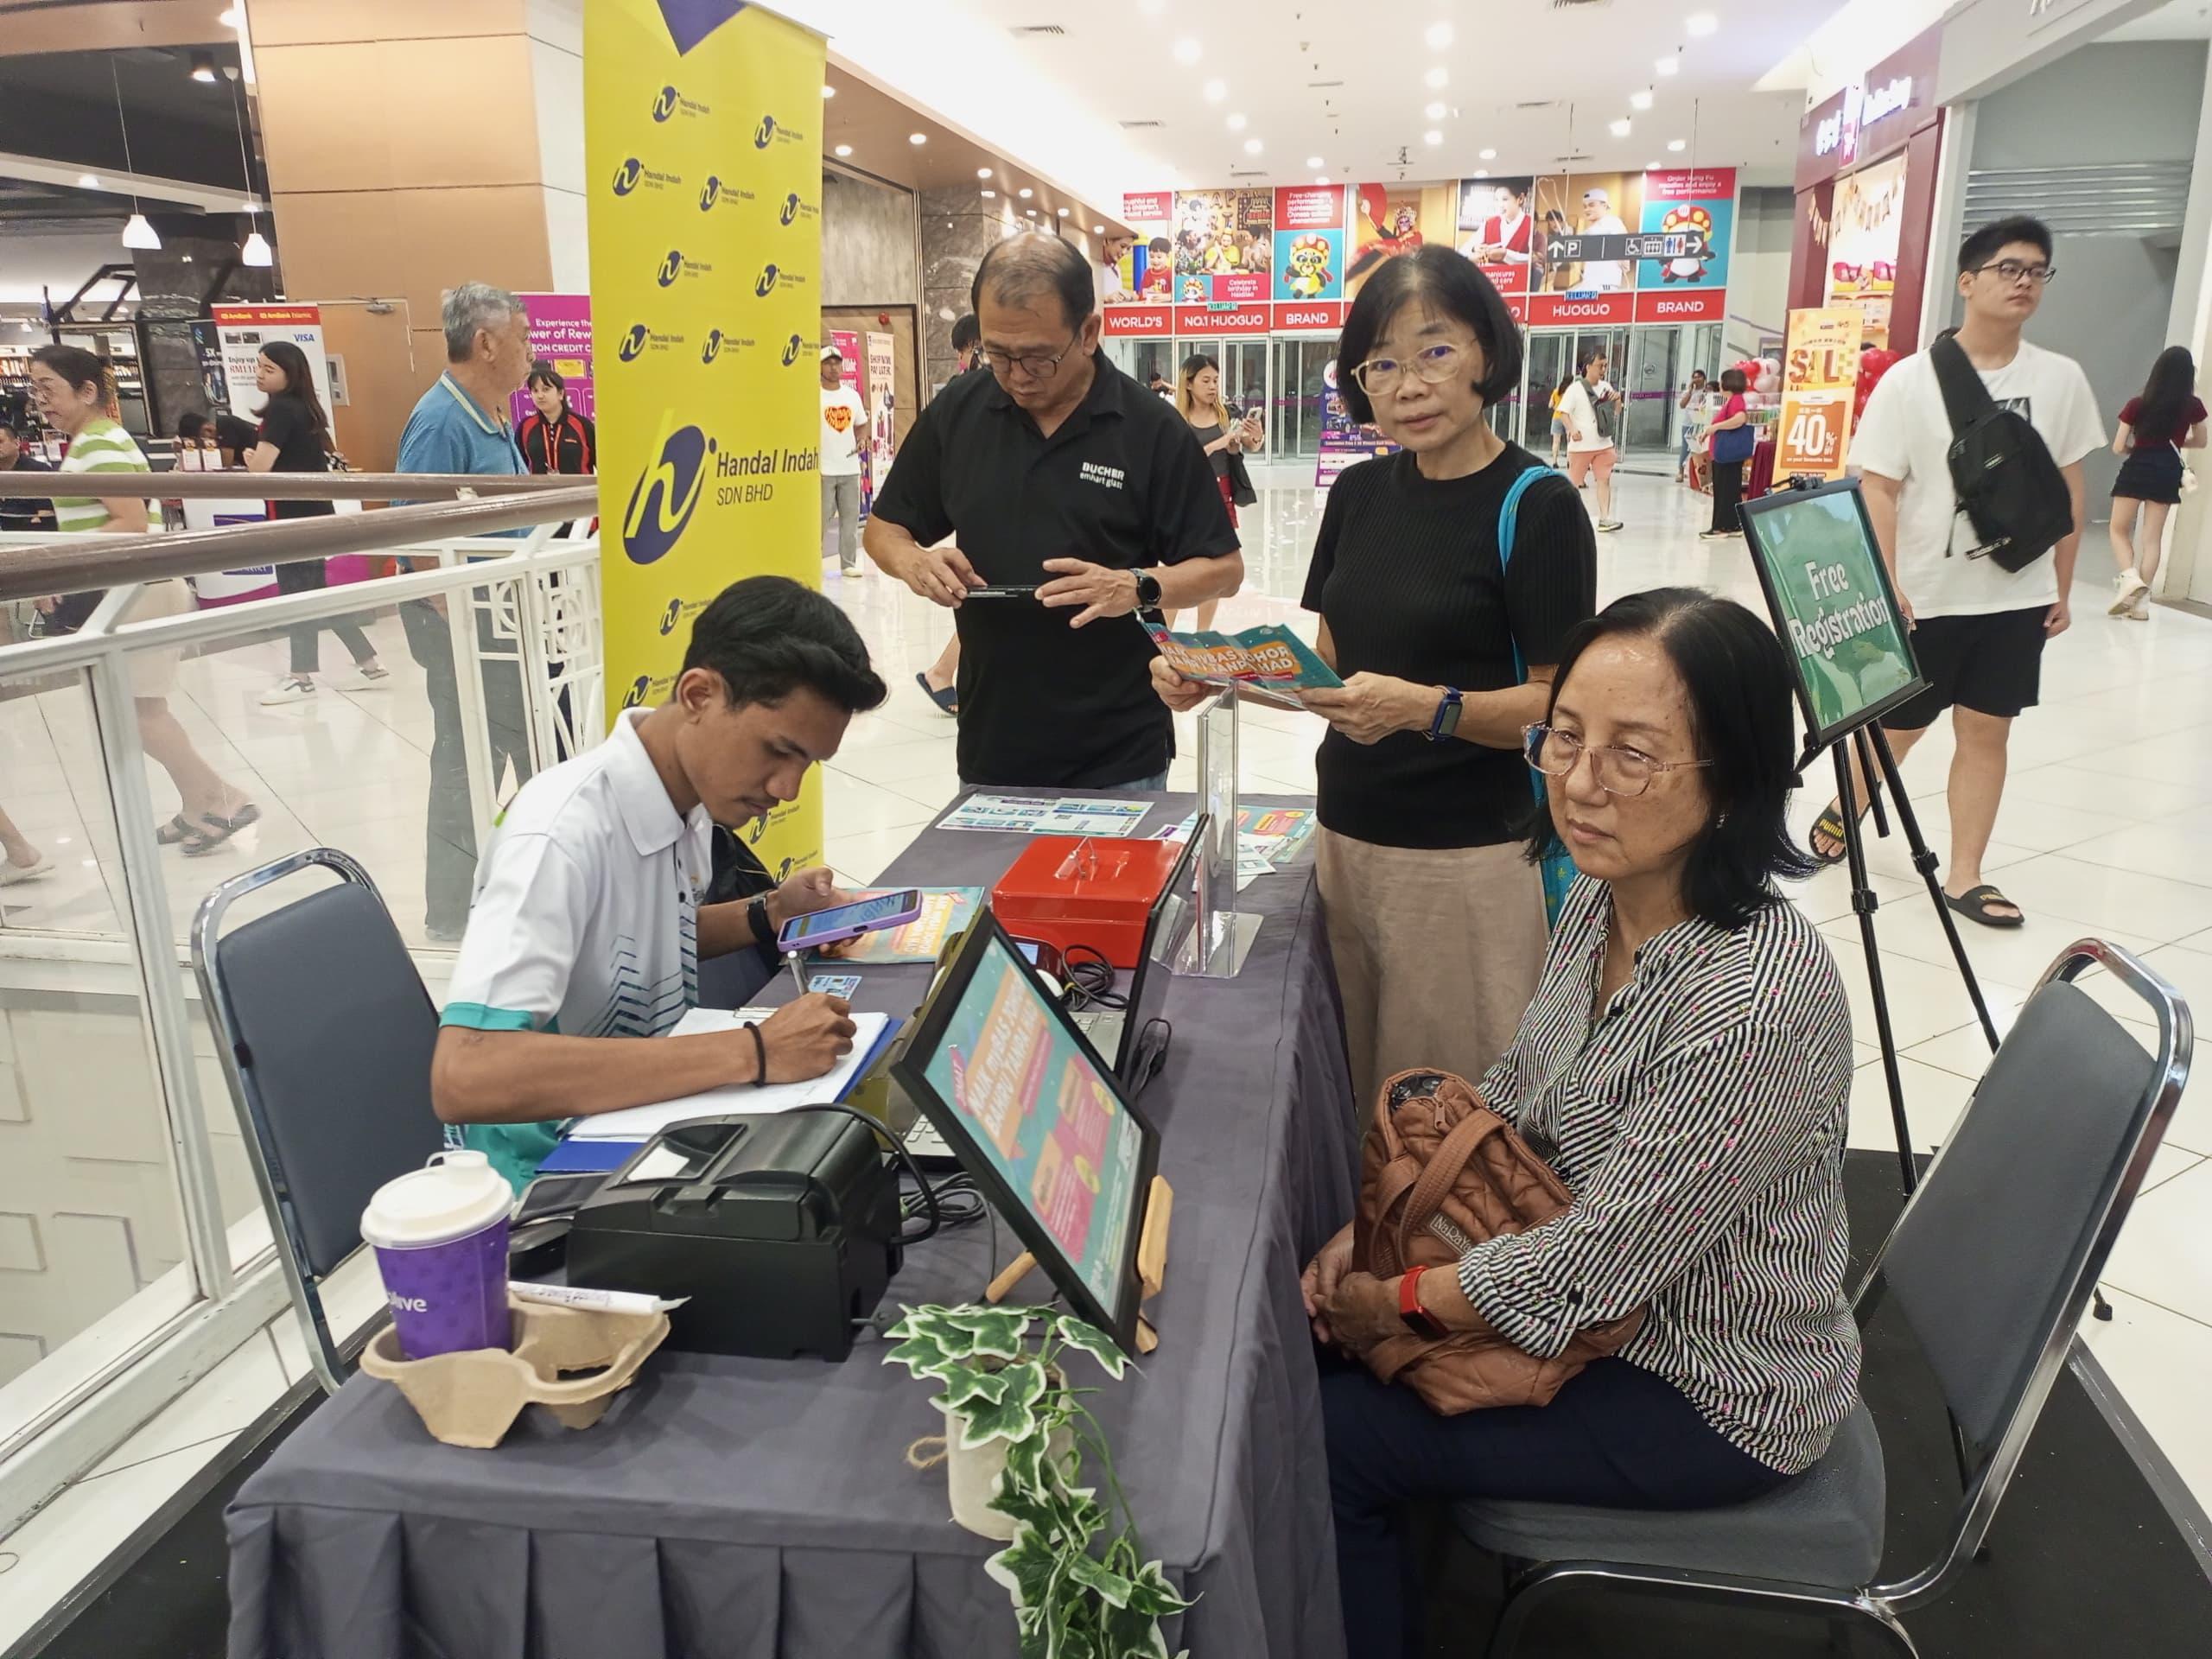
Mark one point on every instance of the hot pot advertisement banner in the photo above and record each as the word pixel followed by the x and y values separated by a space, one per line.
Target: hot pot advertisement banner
pixel 703 152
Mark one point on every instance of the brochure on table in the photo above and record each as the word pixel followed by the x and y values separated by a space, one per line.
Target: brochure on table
pixel 643 1122
pixel 945 911
pixel 1073 815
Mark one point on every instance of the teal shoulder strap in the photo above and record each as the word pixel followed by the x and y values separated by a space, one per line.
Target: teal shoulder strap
pixel 1509 522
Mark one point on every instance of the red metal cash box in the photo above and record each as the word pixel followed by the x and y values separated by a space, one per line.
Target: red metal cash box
pixel 1072 890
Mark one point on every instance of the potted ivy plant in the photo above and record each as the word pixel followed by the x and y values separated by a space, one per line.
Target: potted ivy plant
pixel 1016 1431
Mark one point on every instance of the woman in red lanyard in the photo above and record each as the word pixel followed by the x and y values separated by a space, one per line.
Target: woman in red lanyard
pixel 555 439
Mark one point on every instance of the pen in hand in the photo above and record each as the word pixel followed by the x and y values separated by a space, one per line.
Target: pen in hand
pixel 798 978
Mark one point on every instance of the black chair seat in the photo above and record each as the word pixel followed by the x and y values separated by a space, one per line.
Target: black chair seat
pixel 1822 1528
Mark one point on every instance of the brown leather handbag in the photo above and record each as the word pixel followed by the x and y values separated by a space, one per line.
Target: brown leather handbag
pixel 1441 1172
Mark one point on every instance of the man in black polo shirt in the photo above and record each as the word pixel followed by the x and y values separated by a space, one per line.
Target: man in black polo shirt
pixel 1056 471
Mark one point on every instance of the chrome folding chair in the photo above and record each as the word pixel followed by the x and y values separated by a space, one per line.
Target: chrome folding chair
pixel 325 1032
pixel 1991 1264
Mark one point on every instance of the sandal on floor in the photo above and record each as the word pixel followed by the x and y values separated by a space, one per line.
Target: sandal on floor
pixel 948 700
pixel 179 828
pixel 213 830
pixel 1974 904
pixel 1831 825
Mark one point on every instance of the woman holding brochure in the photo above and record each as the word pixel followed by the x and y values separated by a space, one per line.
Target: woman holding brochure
pixel 1445 640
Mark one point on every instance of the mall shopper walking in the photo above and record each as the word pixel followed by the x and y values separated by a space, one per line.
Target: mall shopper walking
pixel 461 426
pixel 74 392
pixel 844 423
pixel 1559 415
pixel 1435 915
pixel 1593 410
pixel 1730 441
pixel 294 437
pixel 2154 429
pixel 1056 471
pixel 1979 629
pixel 1691 401
pixel 1225 442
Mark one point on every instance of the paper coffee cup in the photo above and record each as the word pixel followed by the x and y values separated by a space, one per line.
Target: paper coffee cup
pixel 441 1238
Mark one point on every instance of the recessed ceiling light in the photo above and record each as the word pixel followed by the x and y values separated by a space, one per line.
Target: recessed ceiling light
pixel 1064 212
pixel 1432 136
pixel 1098 230
pixel 1434 111
pixel 1031 211
pixel 990 195
pixel 844 150
pixel 87 182
pixel 230 18
pixel 1437 78
pixel 827 91
pixel 1481 172
pixel 982 172
pixel 918 137
pixel 1236 124
pixel 1667 66
pixel 1439 34
pixel 1620 128
pixel 1215 91
pixel 1251 146
pixel 1025 192
pixel 1700 24
pixel 1323 179
pixel 1313 160
pixel 1487 156
pixel 1677 145
pixel 1187 51
pixel 1640 99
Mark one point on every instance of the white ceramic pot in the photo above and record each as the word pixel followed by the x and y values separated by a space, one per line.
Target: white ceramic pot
pixel 971 1478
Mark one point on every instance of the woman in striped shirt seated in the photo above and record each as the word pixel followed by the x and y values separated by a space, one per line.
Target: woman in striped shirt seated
pixel 72 387
pixel 1685 1066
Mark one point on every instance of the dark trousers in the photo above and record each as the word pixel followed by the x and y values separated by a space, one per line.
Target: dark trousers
pixel 1616 1436
pixel 1728 494
pixel 449 846
pixel 307 576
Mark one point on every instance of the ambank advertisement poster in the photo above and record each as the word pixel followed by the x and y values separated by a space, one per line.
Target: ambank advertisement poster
pixel 702 149
pixel 1046 1120
pixel 1844 633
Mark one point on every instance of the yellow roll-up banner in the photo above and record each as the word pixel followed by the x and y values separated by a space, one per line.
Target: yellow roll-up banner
pixel 703 149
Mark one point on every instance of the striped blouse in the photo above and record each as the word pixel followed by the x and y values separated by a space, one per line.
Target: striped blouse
pixel 1697 1122
pixel 102 447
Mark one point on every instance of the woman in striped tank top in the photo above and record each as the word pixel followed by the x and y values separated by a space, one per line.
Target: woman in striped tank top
pixel 1685 1066
pixel 70 385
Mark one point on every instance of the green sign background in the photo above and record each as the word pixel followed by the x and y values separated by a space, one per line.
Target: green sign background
pixel 1833 606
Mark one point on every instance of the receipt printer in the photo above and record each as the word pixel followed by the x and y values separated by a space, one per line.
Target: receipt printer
pixel 782 1230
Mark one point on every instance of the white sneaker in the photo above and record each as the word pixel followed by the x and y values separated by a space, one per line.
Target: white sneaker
pixel 375 677
pixel 2140 610
pixel 11 874
pixel 2128 588
pixel 293 688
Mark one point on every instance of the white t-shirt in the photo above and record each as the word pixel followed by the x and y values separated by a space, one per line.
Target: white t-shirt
pixel 1905 435
pixel 585 919
pixel 1581 413
pixel 844 419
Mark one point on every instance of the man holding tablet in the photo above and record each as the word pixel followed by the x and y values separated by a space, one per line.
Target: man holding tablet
pixel 586 925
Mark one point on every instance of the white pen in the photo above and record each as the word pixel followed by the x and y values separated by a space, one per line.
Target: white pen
pixel 798 978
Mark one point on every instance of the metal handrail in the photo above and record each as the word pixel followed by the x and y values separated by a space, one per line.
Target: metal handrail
pixel 234 482
pixel 53 565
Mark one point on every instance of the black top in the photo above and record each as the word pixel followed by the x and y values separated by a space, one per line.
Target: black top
pixel 1214 433
pixel 237 435
pixel 1405 573
pixel 1120 484
pixel 300 448
pixel 23 512
pixel 568 445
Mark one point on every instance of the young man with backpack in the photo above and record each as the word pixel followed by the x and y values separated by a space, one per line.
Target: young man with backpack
pixel 1970 454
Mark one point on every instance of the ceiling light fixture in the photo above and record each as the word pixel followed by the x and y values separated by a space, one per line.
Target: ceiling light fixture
pixel 1098 230
pixel 137 234
pixel 203 67
pixel 827 91
pixel 1486 155
pixel 1031 211
pixel 1434 111
pixel 1699 24
pixel 1651 167
pixel 1313 163
pixel 982 172
pixel 1439 33
pixel 1481 172
pixel 1664 67
pixel 1432 136
pixel 1236 124
pixel 1026 193
pixel 1187 51
pixel 1678 146
pixel 1064 212
pixel 1215 91
pixel 1437 78
pixel 230 18
pixel 1252 146
pixel 844 150
pixel 990 195
pixel 1640 99
pixel 918 137
pixel 256 252
pixel 87 182
pixel 1619 128
pixel 1323 179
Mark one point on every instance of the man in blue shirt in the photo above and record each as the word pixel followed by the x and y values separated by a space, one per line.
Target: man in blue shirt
pixel 461 426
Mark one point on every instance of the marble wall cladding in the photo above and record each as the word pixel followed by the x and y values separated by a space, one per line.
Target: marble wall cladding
pixel 958 228
pixel 868 252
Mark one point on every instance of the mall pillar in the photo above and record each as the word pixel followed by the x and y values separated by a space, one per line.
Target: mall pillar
pixel 958 228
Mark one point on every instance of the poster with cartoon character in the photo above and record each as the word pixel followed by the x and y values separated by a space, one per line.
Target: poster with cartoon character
pixel 1394 218
pixel 1699 205
pixel 1147 269
pixel 1309 242
pixel 1224 246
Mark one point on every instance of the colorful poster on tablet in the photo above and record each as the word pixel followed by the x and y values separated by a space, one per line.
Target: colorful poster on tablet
pixel 1046 1118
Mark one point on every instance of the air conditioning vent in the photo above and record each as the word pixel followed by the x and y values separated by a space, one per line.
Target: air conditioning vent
pixel 1584 156
pixel 1577 5
pixel 1135 126
pixel 1052 31
pixel 1319 85
pixel 1537 104
pixel 1248 173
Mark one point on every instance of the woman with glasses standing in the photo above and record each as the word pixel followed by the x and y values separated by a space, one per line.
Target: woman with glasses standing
pixel 1686 1066
pixel 1445 640
pixel 1197 400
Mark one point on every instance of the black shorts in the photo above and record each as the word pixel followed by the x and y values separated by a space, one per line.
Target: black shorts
pixel 1992 665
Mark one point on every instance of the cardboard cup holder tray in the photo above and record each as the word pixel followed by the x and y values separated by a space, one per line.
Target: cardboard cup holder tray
pixel 572 1361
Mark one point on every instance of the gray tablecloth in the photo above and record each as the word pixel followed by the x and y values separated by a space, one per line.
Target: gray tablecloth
pixel 758 1510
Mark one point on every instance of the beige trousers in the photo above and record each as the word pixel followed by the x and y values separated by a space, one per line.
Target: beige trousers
pixel 1437 952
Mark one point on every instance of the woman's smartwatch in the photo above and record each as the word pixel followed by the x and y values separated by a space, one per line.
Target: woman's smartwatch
pixel 1446 720
pixel 1419 1320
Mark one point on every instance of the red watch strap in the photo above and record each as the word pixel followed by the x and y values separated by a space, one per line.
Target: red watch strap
pixel 1410 1310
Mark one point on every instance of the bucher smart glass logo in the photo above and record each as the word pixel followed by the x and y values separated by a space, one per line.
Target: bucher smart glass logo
pixel 667 492
pixel 713 347
pixel 793 347
pixel 635 697
pixel 671 268
pixel 664 104
pixel 765 284
pixel 633 343
pixel 709 193
pixel 790 210
pixel 764 134
pixel 627 174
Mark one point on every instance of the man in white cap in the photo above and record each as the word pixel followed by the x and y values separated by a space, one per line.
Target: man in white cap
pixel 1598 219
pixel 844 420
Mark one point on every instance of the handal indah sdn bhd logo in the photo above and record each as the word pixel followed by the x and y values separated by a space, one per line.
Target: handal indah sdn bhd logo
pixel 665 102
pixel 679 611
pixel 713 347
pixel 627 174
pixel 790 209
pixel 633 343
pixel 671 268
pixel 709 193
pixel 639 688
pixel 766 284
pixel 667 492
pixel 793 347
pixel 764 134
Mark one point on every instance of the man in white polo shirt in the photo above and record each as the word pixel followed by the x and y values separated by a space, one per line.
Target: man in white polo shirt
pixel 587 926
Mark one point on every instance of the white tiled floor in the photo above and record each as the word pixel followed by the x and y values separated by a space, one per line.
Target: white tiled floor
pixel 2099 834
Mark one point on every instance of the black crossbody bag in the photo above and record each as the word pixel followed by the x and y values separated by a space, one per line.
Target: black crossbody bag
pixel 2010 489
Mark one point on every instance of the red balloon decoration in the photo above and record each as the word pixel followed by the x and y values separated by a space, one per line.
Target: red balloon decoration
pixel 1874 362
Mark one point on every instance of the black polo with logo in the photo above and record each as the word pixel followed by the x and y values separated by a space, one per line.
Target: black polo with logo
pixel 1122 483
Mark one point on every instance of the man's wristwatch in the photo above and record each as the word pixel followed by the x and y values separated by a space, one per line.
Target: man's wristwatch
pixel 756 918
pixel 1419 1320
pixel 1148 591
pixel 1446 720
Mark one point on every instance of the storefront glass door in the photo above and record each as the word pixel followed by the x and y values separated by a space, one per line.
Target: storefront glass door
pixel 1552 355
pixel 1650 382
pixel 1141 359
pixel 1295 418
